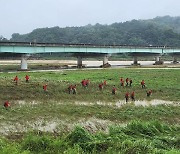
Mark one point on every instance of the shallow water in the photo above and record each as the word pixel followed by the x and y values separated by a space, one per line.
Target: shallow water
pixel 120 103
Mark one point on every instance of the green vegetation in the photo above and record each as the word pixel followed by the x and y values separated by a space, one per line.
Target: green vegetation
pixel 164 84
pixel 136 137
pixel 57 103
pixel 71 113
pixel 58 122
pixel 157 31
pixel 2 38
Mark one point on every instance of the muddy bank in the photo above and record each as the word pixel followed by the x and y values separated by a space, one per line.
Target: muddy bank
pixel 92 124
pixel 63 124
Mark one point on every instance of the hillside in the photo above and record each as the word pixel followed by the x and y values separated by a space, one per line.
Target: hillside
pixel 168 23
pixel 158 31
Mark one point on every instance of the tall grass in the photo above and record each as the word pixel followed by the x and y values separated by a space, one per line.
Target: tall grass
pixel 136 137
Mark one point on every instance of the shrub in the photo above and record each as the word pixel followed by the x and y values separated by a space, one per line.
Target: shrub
pixel 36 143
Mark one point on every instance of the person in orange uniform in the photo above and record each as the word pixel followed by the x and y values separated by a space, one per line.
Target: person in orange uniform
pixel 130 82
pixel 87 82
pixel 16 79
pixel 70 89
pixel 127 81
pixel 27 78
pixel 74 91
pixel 45 87
pixel 149 93
pixel 127 96
pixel 143 84
pixel 121 79
pixel 122 82
pixel 6 104
pixel 105 83
pixel 83 82
pixel 114 90
pixel 133 96
pixel 101 86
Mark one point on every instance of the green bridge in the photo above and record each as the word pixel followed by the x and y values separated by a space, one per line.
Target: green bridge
pixel 33 48
pixel 83 50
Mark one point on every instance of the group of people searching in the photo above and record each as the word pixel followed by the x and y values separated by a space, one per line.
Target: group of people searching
pixel 16 81
pixel 85 83
pixel 123 83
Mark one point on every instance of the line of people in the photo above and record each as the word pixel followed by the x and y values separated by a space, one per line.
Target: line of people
pixel 85 83
pixel 114 89
pixel 16 79
pixel 128 82
pixel 101 85
pixel 27 77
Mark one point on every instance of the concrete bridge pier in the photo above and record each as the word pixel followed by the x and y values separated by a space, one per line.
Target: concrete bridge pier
pixel 24 64
pixel 175 61
pixel 158 60
pixel 105 60
pixel 135 61
pixel 79 62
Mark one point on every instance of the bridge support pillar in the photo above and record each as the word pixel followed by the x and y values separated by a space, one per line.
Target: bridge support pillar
pixel 105 60
pixel 135 61
pixel 79 62
pixel 24 65
pixel 158 60
pixel 175 60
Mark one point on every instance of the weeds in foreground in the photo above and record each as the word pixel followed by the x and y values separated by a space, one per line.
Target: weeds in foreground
pixel 136 137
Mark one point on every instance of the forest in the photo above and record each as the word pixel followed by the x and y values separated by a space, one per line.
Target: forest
pixel 158 31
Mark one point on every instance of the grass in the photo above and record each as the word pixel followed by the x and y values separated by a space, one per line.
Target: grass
pixel 164 83
pixel 73 113
pixel 56 105
pixel 136 137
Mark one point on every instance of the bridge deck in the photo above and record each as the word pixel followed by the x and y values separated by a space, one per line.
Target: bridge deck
pixel 33 48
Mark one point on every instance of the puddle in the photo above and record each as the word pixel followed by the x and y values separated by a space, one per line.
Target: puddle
pixel 153 102
pixel 120 103
pixel 22 102
pixel 145 103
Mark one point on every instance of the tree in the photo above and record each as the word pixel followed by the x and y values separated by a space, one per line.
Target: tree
pixel 3 39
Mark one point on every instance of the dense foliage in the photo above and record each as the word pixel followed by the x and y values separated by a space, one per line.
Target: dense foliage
pixel 135 137
pixel 157 31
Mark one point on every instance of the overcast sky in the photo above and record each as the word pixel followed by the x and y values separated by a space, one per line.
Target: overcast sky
pixel 22 16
